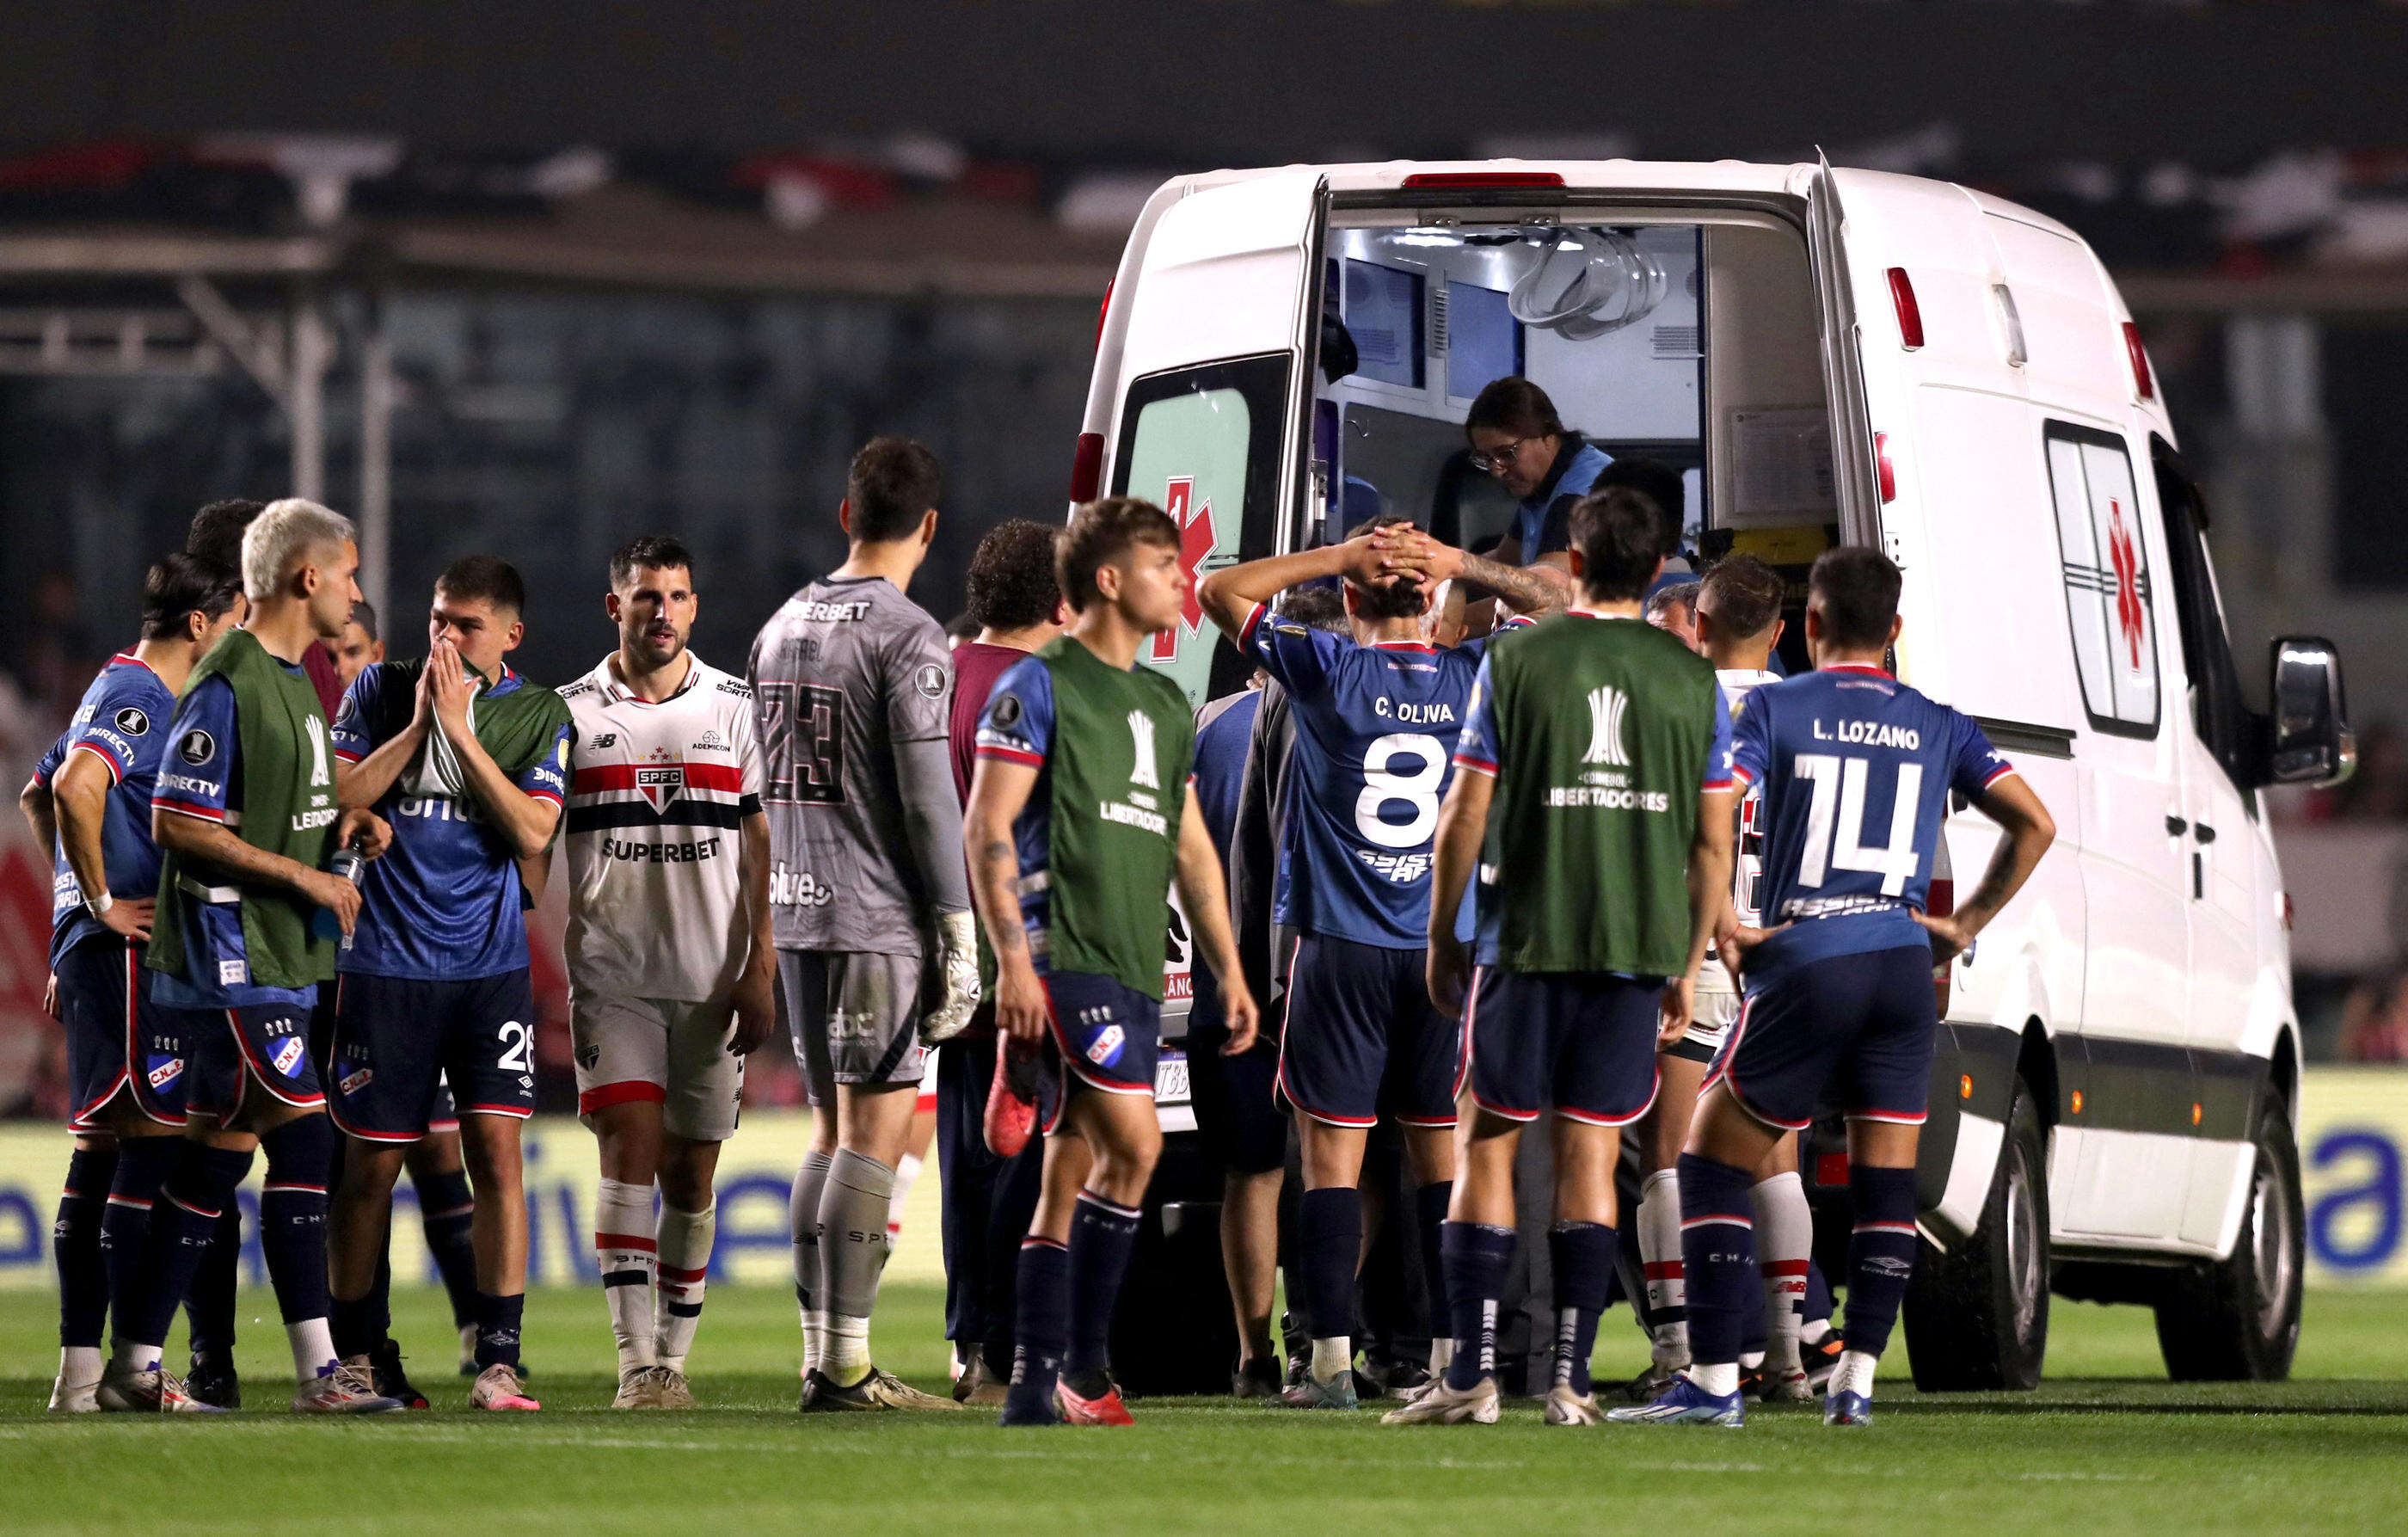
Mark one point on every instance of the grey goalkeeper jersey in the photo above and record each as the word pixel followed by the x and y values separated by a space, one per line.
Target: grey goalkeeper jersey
pixel 842 674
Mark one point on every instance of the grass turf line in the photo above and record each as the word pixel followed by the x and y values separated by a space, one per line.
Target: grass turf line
pixel 2106 1443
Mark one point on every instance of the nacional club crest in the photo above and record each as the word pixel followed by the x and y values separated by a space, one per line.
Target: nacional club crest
pixel 287 1054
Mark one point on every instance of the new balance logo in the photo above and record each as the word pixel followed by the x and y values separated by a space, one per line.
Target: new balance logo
pixel 1607 705
pixel 1141 738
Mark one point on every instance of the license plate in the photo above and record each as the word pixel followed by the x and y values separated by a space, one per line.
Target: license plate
pixel 1170 1079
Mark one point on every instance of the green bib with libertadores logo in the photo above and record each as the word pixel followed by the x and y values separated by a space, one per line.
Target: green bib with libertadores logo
pixel 1603 728
pixel 1122 742
pixel 285 805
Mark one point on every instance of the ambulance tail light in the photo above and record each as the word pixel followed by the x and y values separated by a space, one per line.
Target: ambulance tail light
pixel 1087 468
pixel 2141 380
pixel 1910 314
pixel 1483 180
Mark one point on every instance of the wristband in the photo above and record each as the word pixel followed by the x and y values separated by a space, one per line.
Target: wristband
pixel 98 904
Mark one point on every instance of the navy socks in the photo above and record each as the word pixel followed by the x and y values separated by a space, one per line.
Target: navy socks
pixel 1429 1213
pixel 448 1211
pixel 1040 1330
pixel 183 1223
pixel 1582 1254
pixel 76 1242
pixel 292 1215
pixel 1718 1256
pixel 1103 1234
pixel 1476 1258
pixel 1329 1234
pixel 1881 1253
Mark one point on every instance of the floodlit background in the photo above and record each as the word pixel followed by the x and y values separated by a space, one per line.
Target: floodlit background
pixel 529 279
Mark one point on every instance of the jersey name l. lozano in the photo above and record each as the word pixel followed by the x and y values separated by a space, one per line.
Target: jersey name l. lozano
pixel 1855 769
pixel 1600 733
pixel 657 793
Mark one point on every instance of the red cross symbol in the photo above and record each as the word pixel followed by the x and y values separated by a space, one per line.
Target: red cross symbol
pixel 2127 559
pixel 1196 541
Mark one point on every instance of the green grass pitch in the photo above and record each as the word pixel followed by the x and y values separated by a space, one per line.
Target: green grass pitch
pixel 2106 1445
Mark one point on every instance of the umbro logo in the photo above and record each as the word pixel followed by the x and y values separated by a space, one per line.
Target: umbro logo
pixel 601 741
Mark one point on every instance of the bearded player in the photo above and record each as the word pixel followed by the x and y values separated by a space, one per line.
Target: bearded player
pixel 1081 814
pixel 669 962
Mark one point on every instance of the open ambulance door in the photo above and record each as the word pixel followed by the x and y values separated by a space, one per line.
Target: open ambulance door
pixel 1853 471
pixel 1213 392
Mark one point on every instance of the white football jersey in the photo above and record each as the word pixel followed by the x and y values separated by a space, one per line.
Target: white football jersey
pixel 656 796
pixel 1747 868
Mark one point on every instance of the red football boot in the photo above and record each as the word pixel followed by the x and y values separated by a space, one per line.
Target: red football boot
pixel 1106 1410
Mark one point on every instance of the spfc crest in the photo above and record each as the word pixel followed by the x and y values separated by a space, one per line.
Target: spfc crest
pixel 661 784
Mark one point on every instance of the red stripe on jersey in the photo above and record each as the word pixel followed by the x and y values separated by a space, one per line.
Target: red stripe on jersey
pixel 727 777
pixel 185 807
pixel 1011 754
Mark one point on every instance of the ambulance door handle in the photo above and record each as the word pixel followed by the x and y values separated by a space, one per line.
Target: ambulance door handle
pixel 2202 831
pixel 2175 827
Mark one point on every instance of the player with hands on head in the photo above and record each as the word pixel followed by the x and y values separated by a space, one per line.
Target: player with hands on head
pixel 1592 794
pixel 1373 713
pixel 1081 814
pixel 89 803
pixel 245 814
pixel 467 762
pixel 672 973
pixel 1839 1002
pixel 877 950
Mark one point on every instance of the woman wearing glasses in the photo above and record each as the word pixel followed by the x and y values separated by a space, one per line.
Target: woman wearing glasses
pixel 1517 436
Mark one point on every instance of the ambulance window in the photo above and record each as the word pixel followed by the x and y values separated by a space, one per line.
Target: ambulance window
pixel 2108 596
pixel 1203 444
pixel 2222 717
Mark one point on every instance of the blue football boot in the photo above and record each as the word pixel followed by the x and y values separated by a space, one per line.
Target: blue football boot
pixel 1847 1409
pixel 1685 1403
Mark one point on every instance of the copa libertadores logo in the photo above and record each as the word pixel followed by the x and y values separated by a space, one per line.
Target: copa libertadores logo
pixel 1141 738
pixel 1607 706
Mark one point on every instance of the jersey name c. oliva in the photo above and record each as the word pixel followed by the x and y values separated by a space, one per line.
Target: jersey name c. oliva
pixel 1854 770
pixel 1375 726
pixel 1099 838
pixel 657 793
pixel 1602 733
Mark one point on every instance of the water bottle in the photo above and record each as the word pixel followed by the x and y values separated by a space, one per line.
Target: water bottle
pixel 347 863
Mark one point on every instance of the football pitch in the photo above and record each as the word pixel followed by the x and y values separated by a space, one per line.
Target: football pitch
pixel 2106 1445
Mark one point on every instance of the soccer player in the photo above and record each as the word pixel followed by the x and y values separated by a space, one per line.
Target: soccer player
pixel 1856 770
pixel 246 929
pixel 358 648
pixel 1080 817
pixel 1360 1040
pixel 669 963
pixel 1593 792
pixel 88 801
pixel 466 762
pixel 989 1198
pixel 851 680
pixel 1737 622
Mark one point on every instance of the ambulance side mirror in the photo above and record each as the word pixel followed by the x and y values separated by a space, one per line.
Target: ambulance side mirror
pixel 2310 741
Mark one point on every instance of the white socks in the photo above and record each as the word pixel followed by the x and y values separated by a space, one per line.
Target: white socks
pixel 1659 1253
pixel 803 1220
pixel 906 1169
pixel 1332 1356
pixel 685 1264
pixel 313 1349
pixel 1721 1379
pixel 1854 1374
pixel 79 1368
pixel 629 1260
pixel 1784 1238
pixel 1442 1355
pixel 844 1349
pixel 128 1357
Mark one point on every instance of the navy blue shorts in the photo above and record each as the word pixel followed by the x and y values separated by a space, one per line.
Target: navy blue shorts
pixel 1853 1032
pixel 399 1041
pixel 1583 1042
pixel 118 1041
pixel 1106 1036
pixel 231 1048
pixel 1362 1039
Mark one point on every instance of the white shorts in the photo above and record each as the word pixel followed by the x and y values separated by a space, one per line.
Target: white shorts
pixel 673 1054
pixel 1711 1017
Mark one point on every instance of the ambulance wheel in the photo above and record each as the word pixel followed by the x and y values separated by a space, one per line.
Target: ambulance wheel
pixel 1977 1316
pixel 2237 1320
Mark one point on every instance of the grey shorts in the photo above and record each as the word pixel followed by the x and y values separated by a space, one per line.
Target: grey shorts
pixel 856 1017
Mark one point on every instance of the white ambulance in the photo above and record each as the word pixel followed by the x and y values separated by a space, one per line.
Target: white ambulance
pixel 1836 357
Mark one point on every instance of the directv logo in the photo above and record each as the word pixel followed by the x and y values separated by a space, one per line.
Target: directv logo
pixel 1606 707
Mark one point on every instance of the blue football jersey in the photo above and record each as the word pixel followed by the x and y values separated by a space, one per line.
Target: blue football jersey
pixel 122 721
pixel 444 903
pixel 1375 726
pixel 1855 769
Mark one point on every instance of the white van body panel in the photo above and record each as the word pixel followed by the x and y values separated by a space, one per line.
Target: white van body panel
pixel 2016 424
